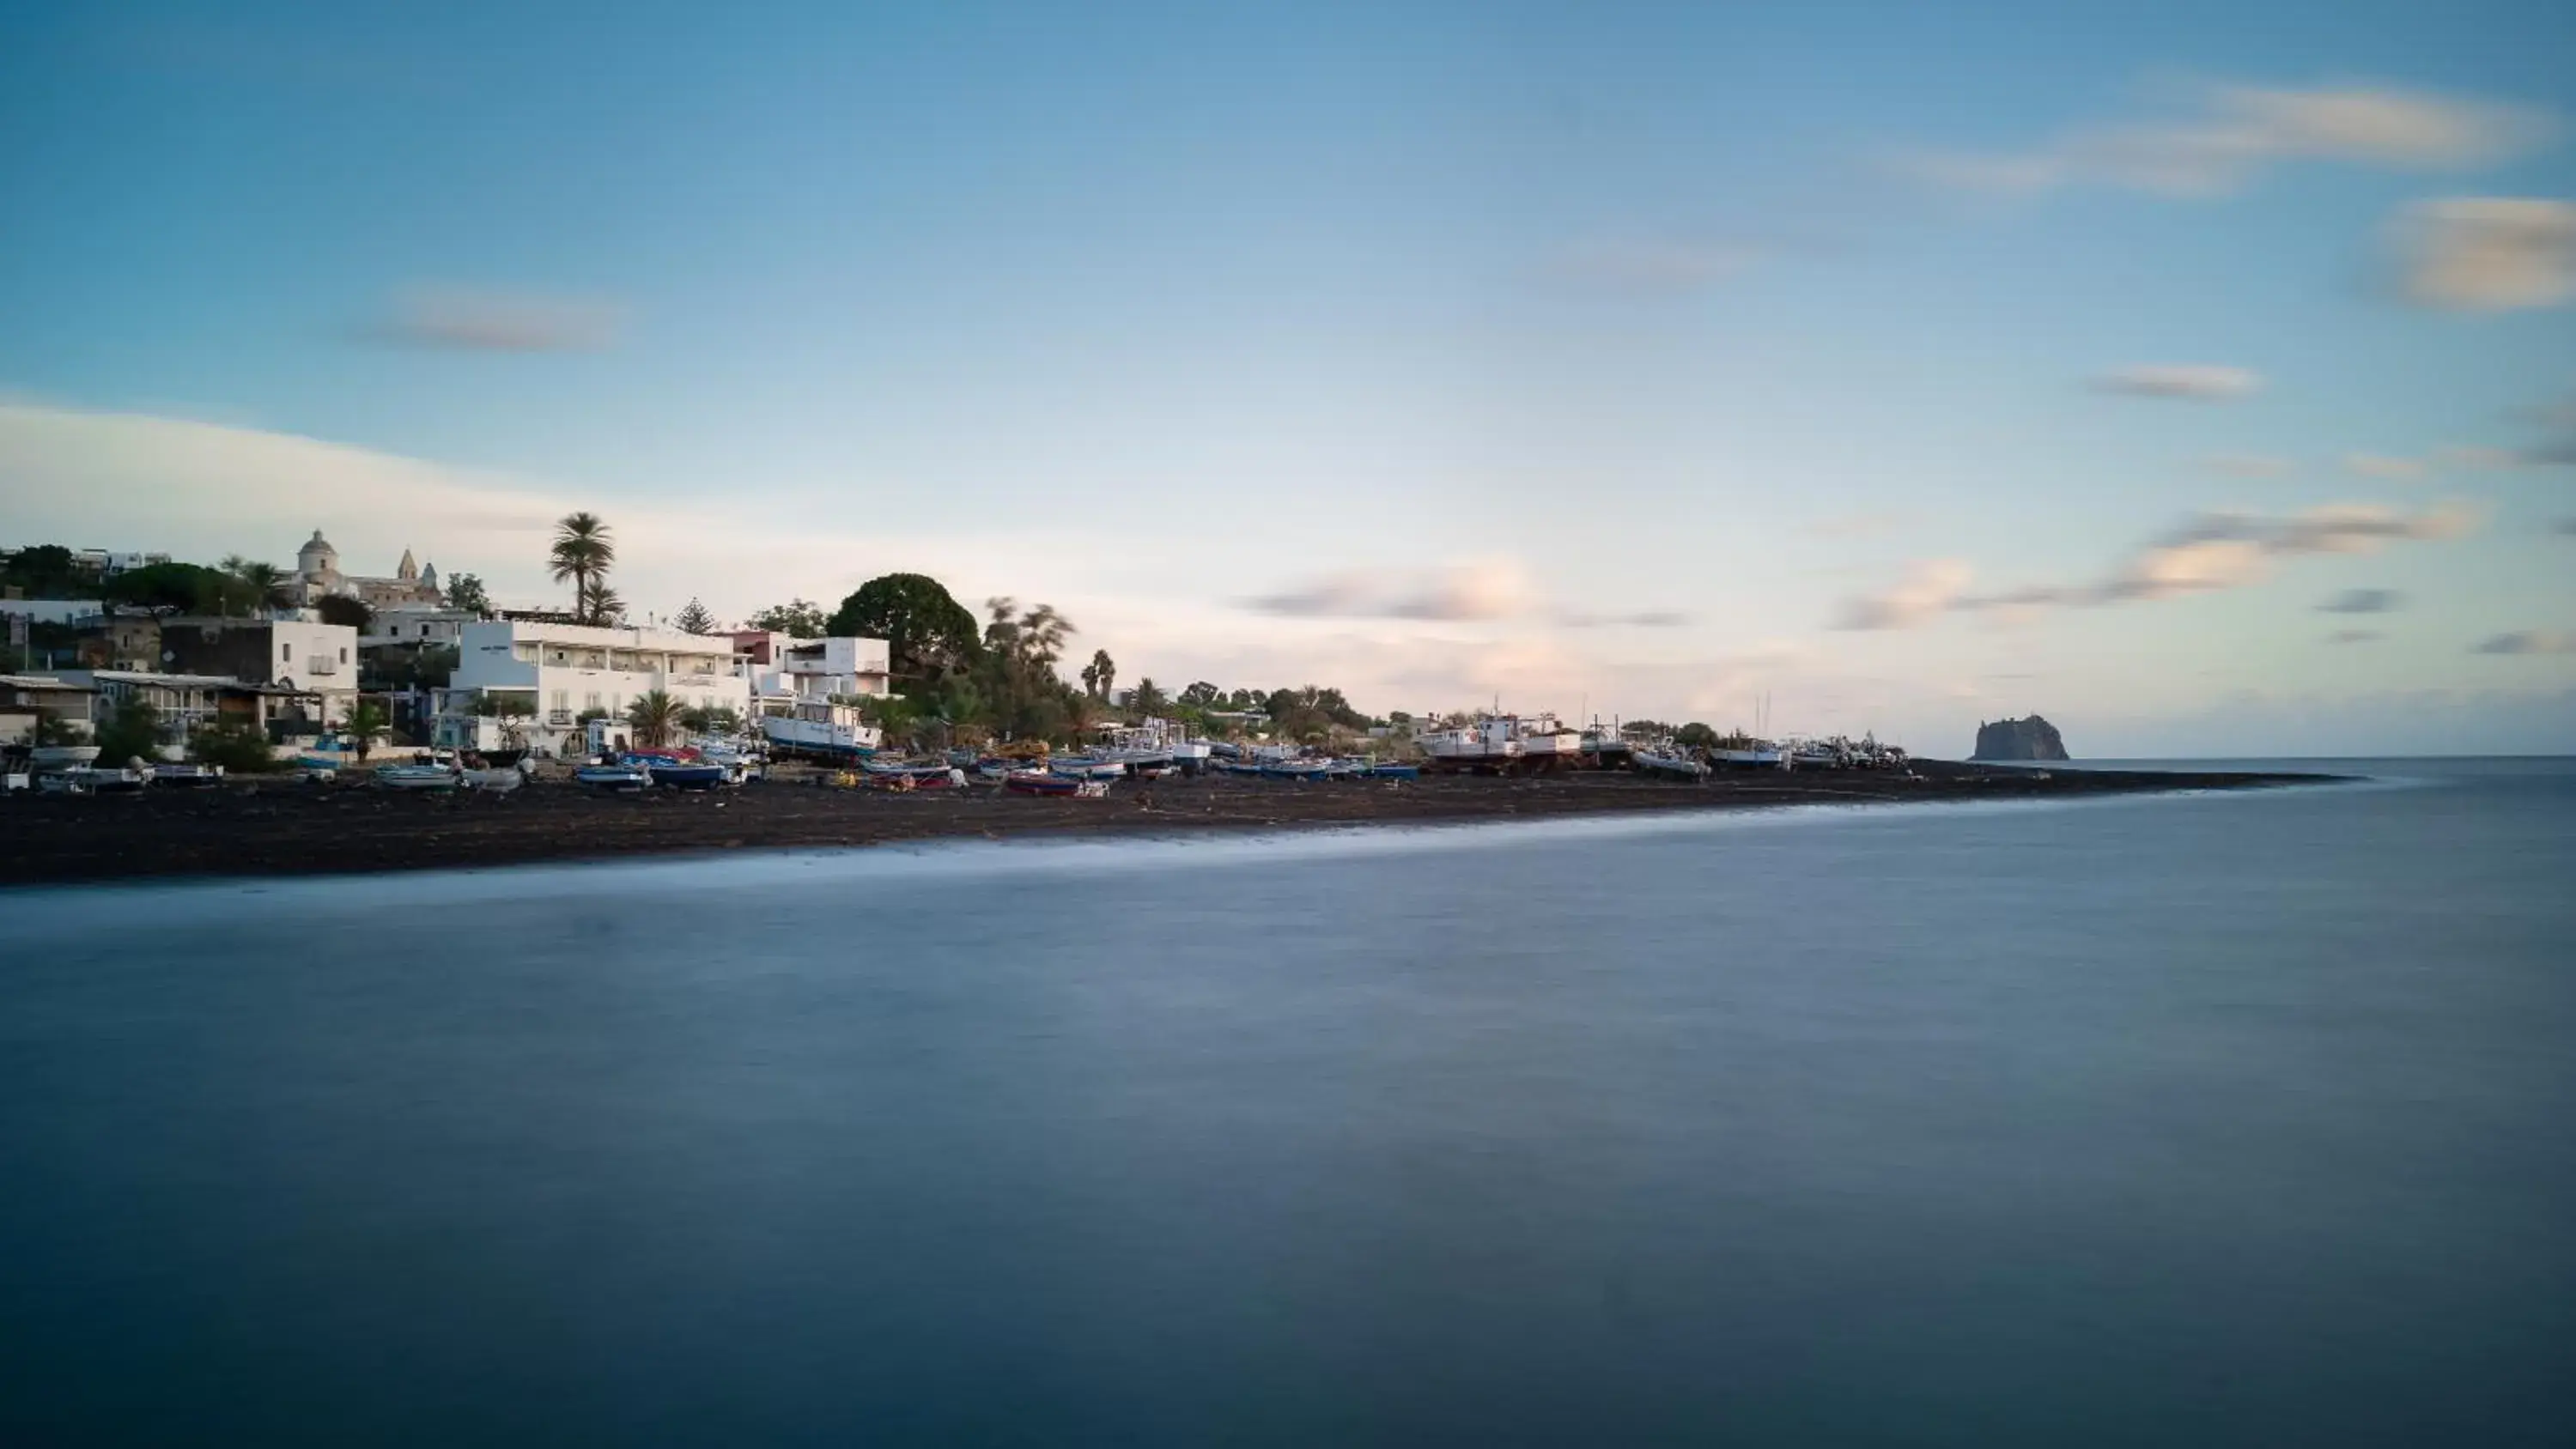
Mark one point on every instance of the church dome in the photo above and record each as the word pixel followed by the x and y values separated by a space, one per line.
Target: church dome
pixel 317 556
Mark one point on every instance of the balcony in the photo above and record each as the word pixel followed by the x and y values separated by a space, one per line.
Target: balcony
pixel 559 717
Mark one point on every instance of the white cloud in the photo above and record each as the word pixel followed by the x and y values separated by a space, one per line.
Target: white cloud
pixel 2194 382
pixel 502 322
pixel 2226 136
pixel 2208 553
pixel 2487 253
pixel 202 490
pixel 2528 641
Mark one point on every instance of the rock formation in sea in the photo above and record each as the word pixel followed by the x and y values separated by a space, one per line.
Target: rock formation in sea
pixel 2019 739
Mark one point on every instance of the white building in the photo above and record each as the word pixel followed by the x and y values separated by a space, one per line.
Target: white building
pixel 560 672
pixel 808 669
pixel 415 625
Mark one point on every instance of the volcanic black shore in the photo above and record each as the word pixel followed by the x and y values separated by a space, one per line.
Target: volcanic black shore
pixel 279 826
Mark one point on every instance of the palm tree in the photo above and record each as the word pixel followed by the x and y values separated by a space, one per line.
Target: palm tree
pixel 600 605
pixel 583 552
pixel 1100 674
pixel 653 717
pixel 367 719
pixel 256 585
pixel 1042 634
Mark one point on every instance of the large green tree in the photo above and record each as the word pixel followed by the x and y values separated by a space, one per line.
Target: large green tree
pixel 132 730
pixel 465 591
pixel 693 618
pixel 928 634
pixel 802 618
pixel 180 588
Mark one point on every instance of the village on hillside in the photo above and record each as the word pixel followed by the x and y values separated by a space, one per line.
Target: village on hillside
pixel 132 669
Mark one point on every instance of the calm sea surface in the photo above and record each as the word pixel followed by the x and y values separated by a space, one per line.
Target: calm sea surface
pixel 2243 1119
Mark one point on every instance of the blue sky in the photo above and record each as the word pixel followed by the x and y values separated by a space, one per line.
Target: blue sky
pixel 1411 348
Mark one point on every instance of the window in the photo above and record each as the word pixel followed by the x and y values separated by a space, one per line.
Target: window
pixel 590 700
pixel 286 653
pixel 344 653
pixel 563 700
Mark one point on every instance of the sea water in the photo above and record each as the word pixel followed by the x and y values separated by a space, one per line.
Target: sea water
pixel 2228 1118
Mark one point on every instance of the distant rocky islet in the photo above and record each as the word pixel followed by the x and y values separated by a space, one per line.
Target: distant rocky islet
pixel 2019 739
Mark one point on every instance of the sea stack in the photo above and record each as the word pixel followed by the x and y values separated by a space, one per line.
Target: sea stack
pixel 2019 739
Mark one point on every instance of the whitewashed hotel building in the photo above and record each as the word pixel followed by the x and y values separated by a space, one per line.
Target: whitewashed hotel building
pixel 563 671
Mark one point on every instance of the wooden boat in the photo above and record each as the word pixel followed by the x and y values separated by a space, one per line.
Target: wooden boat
pixel 621 779
pixel 1040 782
pixel 1086 767
pixel 62 757
pixel 1296 769
pixel 417 777
pixel 914 769
pixel 188 777
pixel 1395 772
pixel 678 773
pixel 499 780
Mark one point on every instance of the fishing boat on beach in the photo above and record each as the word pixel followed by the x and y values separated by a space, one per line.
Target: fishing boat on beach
pixel 62 757
pixel 821 730
pixel 187 777
pixel 1668 762
pixel 1087 767
pixel 617 779
pixel 1041 782
pixel 417 777
pixel 1486 745
pixel 677 771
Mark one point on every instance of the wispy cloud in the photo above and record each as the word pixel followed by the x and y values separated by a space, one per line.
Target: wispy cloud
pixel 2487 253
pixel 2250 465
pixel 2528 641
pixel 2224 137
pixel 1642 619
pixel 1492 589
pixel 500 322
pixel 2355 636
pixel 2363 601
pixel 2206 554
pixel 2384 467
pixel 1655 264
pixel 2193 382
pixel 1929 589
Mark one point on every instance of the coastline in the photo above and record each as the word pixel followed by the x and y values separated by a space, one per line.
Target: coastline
pixel 277 827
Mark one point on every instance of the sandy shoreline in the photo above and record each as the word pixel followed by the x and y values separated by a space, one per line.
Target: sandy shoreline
pixel 279 827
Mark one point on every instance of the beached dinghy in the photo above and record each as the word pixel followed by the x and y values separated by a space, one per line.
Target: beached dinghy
pixel 1038 782
pixel 416 777
pixel 678 773
pixel 621 779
